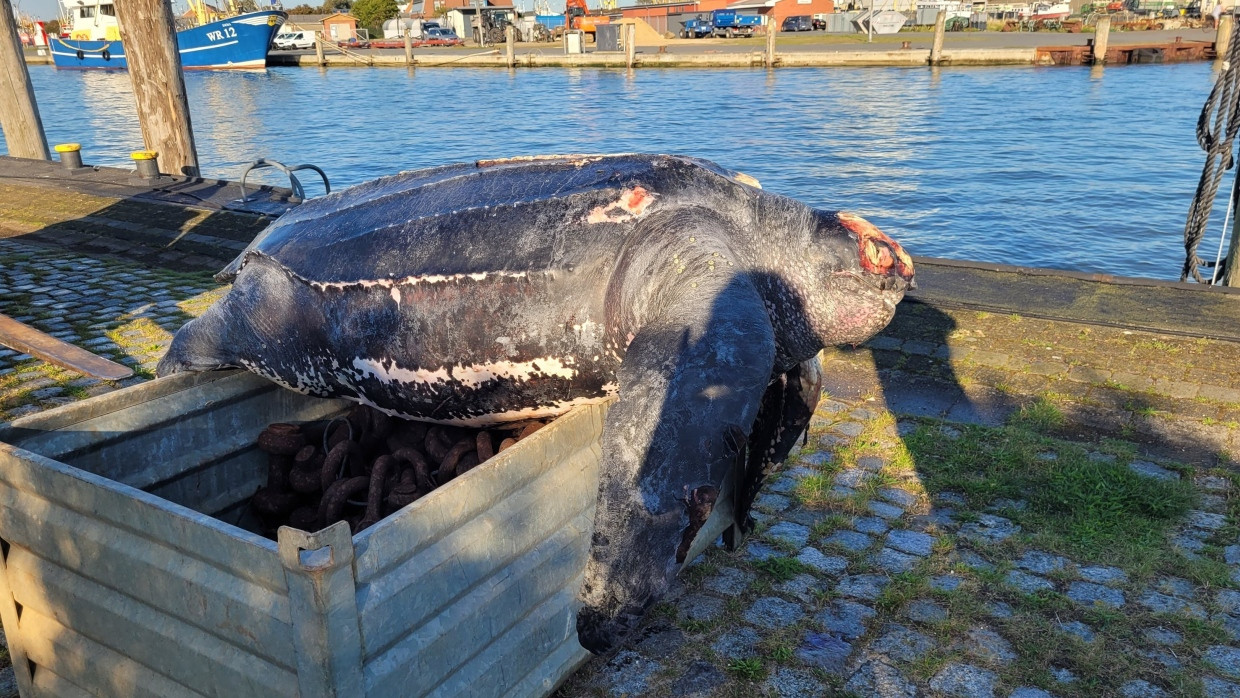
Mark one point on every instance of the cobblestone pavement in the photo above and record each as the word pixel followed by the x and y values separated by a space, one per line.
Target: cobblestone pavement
pixel 119 310
pixel 987 505
pixel 868 579
pixel 974 514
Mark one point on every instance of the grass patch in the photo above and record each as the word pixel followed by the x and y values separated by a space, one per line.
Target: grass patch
pixel 1040 415
pixel 696 627
pixel 779 648
pixel 780 569
pixel 749 669
pixel 695 574
pixel 1093 511
pixel 1096 504
pixel 903 588
pixel 829 525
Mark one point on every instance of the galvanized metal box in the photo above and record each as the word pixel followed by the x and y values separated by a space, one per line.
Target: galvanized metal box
pixel 119 575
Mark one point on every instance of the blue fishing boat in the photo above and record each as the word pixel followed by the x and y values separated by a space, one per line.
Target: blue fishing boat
pixel 207 38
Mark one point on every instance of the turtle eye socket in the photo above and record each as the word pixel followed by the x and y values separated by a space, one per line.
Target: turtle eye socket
pixel 879 257
pixel 878 253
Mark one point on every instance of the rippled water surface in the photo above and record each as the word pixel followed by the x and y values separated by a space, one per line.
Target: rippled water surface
pixel 1051 167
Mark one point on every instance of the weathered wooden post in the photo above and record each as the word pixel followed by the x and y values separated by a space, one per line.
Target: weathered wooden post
pixel 771 29
pixel 150 36
pixel 1102 37
pixel 318 49
pixel 940 27
pixel 630 45
pixel 1222 37
pixel 510 45
pixel 19 115
pixel 409 42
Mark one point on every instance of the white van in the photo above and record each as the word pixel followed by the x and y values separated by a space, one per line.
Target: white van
pixel 290 40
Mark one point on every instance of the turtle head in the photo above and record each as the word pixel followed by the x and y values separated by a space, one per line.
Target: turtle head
pixel 858 274
pixel 201 344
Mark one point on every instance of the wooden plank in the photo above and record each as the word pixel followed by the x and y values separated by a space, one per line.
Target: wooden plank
pixel 23 337
pixel 440 645
pixel 160 642
pixel 80 662
pixel 416 590
pixel 247 615
pixel 429 519
pixel 246 555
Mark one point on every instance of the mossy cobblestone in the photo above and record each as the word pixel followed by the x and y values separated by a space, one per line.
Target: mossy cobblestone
pixel 128 314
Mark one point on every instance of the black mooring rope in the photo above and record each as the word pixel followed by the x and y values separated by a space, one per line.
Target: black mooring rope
pixel 1216 130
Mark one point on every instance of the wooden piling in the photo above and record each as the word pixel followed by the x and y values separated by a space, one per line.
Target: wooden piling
pixel 630 45
pixel 510 45
pixel 318 49
pixel 940 27
pixel 408 44
pixel 19 114
pixel 1102 37
pixel 771 30
pixel 150 36
pixel 1222 37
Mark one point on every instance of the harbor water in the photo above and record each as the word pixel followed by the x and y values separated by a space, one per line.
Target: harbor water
pixel 1052 167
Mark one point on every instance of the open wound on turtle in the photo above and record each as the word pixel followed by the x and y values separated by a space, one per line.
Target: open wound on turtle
pixel 698 505
pixel 467 295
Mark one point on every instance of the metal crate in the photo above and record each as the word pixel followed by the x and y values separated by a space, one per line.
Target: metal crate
pixel 120 578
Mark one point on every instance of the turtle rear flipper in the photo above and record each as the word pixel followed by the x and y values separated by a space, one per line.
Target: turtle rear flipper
pixel 787 407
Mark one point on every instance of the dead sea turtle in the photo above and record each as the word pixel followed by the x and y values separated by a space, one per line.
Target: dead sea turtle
pixel 504 290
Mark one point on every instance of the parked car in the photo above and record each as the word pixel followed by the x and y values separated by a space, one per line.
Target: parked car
pixel 292 40
pixel 438 36
pixel 797 23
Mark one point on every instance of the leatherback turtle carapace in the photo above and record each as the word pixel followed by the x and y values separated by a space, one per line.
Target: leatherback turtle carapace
pixel 504 290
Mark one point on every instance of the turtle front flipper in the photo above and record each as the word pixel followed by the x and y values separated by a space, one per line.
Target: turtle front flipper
pixel 787 407
pixel 690 385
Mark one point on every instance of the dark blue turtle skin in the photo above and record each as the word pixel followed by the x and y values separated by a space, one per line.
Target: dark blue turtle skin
pixel 504 290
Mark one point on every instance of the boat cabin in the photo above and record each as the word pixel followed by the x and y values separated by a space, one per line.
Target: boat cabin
pixel 90 20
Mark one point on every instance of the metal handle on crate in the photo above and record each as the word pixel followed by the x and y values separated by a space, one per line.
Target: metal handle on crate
pixel 318 552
